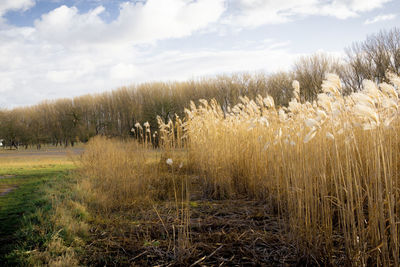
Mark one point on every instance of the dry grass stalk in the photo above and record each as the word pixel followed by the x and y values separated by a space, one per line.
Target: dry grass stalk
pixel 330 167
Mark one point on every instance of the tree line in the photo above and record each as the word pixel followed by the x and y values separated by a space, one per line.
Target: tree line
pixel 67 121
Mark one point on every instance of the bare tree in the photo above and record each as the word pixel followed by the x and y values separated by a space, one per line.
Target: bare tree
pixel 373 58
pixel 279 86
pixel 310 72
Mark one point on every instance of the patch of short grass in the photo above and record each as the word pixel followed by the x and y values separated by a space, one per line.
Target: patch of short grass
pixel 29 234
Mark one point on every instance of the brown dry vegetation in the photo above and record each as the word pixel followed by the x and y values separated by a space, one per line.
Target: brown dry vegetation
pixel 330 168
pixel 146 212
pixel 310 184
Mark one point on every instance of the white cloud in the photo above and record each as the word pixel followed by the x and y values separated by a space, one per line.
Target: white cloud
pixel 344 9
pixel 13 5
pixel 60 76
pixel 253 13
pixel 137 22
pixel 167 18
pixel 67 52
pixel 179 66
pixel 123 71
pixel 65 25
pixel 258 12
pixel 363 5
pixel 6 83
pixel 380 18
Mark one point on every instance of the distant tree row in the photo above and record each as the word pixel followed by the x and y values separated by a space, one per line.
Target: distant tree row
pixel 66 121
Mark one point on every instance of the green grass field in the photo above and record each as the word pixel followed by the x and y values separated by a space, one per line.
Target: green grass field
pixel 30 188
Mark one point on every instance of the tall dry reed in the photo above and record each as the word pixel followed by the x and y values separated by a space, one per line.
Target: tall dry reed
pixel 123 174
pixel 330 168
pixel 131 178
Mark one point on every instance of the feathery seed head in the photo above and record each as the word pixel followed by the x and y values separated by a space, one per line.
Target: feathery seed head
pixel 366 112
pixel 394 79
pixel 363 99
pixel 296 87
pixel 269 102
pixel 330 136
pixel 310 135
pixel 169 161
pixel 389 90
pixel 264 121
pixel 311 123
pixel 332 84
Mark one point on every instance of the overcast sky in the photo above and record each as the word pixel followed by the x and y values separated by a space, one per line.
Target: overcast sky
pixel 64 48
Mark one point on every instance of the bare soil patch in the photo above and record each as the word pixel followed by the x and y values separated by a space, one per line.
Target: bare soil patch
pixel 222 233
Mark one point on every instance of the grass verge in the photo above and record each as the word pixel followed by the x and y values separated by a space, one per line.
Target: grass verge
pixel 34 228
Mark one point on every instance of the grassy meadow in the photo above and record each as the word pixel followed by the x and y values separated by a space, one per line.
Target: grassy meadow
pixel 35 188
pixel 310 184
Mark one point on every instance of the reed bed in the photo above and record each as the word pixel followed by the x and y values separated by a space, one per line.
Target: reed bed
pixel 116 174
pixel 329 168
pixel 125 175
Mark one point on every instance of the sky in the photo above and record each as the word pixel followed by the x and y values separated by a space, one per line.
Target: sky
pixel 52 49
